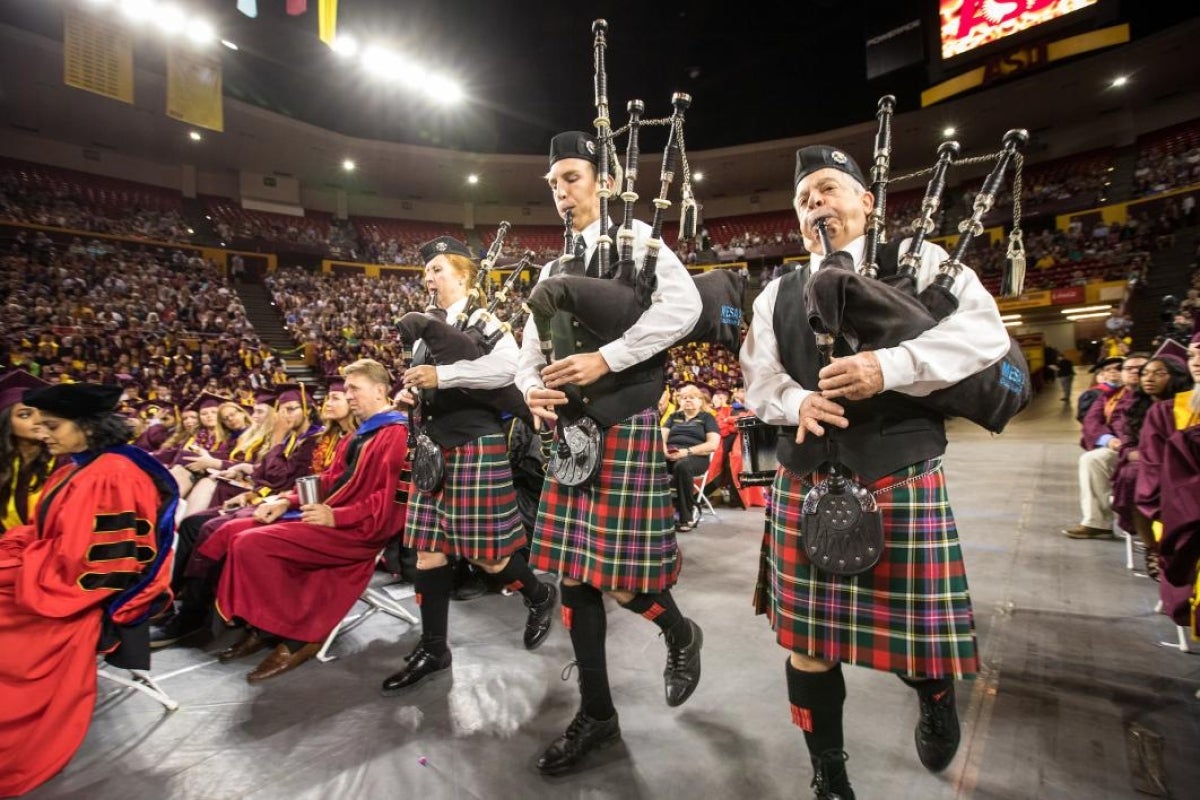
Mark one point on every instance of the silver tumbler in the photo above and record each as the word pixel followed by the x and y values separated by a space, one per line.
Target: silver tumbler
pixel 308 489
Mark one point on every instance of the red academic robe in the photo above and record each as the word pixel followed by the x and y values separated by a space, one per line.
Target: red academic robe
pixel 94 537
pixel 297 580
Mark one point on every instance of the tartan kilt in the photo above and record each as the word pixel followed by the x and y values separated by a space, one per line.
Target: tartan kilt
pixel 474 514
pixel 619 532
pixel 910 615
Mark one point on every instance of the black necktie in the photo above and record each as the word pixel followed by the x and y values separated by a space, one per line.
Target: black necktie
pixel 581 251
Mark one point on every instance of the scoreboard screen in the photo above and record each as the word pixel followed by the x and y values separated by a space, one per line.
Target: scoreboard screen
pixel 969 24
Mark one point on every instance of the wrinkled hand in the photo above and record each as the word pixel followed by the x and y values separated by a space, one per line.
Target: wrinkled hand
pixel 580 369
pixel 855 377
pixel 422 377
pixel 317 514
pixel 269 512
pixel 816 410
pixel 542 403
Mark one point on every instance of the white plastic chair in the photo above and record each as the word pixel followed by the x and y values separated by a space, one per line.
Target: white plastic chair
pixel 376 599
pixel 703 505
pixel 135 679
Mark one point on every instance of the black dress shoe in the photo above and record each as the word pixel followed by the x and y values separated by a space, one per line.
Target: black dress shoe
pixel 830 781
pixel 537 624
pixel 421 663
pixel 682 674
pixel 582 736
pixel 178 630
pixel 937 731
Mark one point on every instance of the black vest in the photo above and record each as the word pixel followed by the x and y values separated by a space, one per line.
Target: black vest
pixel 452 417
pixel 887 432
pixel 618 395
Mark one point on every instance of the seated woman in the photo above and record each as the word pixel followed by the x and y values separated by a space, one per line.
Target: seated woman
pixel 100 552
pixel 1162 378
pixel 25 463
pixel 264 432
pixel 691 435
pixel 232 422
pixel 184 432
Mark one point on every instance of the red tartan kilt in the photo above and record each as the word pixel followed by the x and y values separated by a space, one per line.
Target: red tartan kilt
pixel 618 533
pixel 474 514
pixel 911 614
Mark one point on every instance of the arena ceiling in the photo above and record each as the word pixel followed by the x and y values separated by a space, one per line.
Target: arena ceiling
pixel 765 77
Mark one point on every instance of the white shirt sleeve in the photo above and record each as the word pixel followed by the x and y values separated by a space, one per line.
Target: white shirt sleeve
pixel 967 341
pixel 530 361
pixel 492 371
pixel 673 311
pixel 770 392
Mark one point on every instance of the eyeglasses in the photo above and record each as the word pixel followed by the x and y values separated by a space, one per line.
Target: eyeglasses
pixel 1131 369
pixel 1155 373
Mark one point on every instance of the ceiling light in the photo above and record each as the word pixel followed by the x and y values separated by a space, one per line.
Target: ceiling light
pixel 348 165
pixel 1013 323
pixel 441 89
pixel 345 46
pixel 949 131
pixel 380 61
pixel 191 231
pixel 1007 317
pixel 229 44
pixel 472 178
pixel 169 19
pixel 697 176
pixel 1085 309
pixel 1119 81
pixel 194 136
pixel 1098 315
pixel 138 10
pixel 201 31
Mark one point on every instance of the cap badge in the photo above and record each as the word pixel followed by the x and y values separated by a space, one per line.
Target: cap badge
pixel 838 156
pixel 441 247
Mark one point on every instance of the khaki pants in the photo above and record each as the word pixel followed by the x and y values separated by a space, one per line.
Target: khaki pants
pixel 1096 469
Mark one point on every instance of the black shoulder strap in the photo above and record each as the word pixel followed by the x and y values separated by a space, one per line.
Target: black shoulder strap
pixel 888 258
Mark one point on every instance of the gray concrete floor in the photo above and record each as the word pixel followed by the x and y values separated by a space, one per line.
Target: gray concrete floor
pixel 1070 651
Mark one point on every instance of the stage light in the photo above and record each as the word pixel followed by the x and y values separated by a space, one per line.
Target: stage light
pixel 169 18
pixel 697 176
pixel 1119 81
pixel 949 131
pixel 348 165
pixel 201 31
pixel 190 231
pixel 380 61
pixel 472 178
pixel 345 46
pixel 229 44
pixel 443 90
pixel 195 136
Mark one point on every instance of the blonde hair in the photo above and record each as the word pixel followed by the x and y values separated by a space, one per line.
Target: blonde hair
pixel 223 432
pixel 371 369
pixel 463 266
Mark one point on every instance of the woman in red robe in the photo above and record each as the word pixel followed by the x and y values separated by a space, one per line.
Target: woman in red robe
pixel 98 552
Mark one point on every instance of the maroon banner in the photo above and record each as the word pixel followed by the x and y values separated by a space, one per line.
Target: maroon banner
pixel 1066 295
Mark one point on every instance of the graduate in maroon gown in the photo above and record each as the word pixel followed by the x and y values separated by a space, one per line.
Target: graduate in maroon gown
pixel 294 579
pixel 97 554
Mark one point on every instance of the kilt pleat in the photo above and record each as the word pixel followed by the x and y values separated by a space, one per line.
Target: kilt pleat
pixel 474 514
pixel 618 533
pixel 910 615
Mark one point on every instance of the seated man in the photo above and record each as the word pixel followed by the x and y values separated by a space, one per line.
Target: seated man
pixel 294 578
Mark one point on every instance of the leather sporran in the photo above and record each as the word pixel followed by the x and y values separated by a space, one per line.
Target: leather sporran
pixel 574 459
pixel 843 527
pixel 428 464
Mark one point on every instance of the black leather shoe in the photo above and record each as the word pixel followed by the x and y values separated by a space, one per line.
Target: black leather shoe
pixel 937 731
pixel 178 630
pixel 830 781
pixel 420 664
pixel 682 674
pixel 537 624
pixel 582 736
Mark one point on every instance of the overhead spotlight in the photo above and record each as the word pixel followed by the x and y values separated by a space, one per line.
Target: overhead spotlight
pixel 472 178
pixel 1119 81
pixel 949 131
pixel 229 44
pixel 443 90
pixel 195 136
pixel 345 46
pixel 348 165
pixel 201 31
pixel 697 176
pixel 169 18
pixel 190 231
pixel 380 61
pixel 138 10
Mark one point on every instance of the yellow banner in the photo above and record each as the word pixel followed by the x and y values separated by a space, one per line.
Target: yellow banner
pixel 97 55
pixel 1027 300
pixel 327 20
pixel 194 88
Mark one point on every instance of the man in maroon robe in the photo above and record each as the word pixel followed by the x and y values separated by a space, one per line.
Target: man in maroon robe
pixel 293 575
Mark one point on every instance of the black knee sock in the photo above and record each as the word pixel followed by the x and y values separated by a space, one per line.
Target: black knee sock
pixel 433 596
pixel 661 610
pixel 584 616
pixel 195 603
pixel 816 699
pixel 518 576
pixel 930 688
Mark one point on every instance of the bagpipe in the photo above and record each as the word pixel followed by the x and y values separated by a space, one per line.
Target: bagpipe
pixel 871 311
pixel 609 303
pixel 473 333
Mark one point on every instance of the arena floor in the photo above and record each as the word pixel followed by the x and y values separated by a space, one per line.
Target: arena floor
pixel 1069 637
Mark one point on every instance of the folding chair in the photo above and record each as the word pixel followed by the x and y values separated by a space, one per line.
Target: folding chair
pixel 138 680
pixel 376 599
pixel 703 505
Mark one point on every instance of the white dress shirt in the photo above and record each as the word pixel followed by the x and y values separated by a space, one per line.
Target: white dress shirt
pixel 967 341
pixel 492 371
pixel 673 312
